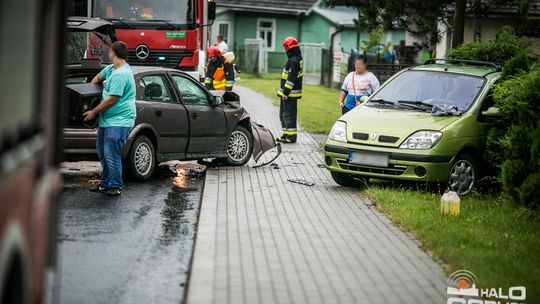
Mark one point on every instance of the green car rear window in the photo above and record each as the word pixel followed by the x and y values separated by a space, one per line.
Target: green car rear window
pixel 433 88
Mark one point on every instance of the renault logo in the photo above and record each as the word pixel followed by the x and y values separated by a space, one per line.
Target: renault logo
pixel 142 51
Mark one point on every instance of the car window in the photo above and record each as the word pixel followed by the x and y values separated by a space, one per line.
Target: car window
pixel 433 88
pixel 190 92
pixel 154 88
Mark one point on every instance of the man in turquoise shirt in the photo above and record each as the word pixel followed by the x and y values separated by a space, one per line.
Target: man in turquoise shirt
pixel 117 114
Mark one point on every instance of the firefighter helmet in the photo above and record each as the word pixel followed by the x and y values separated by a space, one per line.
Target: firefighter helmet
pixel 213 51
pixel 289 43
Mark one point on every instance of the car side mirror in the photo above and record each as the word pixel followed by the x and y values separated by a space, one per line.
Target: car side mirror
pixel 492 112
pixel 363 99
pixel 217 101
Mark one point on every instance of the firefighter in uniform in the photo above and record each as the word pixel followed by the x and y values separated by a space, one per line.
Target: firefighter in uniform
pixel 219 72
pixel 290 90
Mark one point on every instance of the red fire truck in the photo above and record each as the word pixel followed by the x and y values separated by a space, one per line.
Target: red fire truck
pixel 167 33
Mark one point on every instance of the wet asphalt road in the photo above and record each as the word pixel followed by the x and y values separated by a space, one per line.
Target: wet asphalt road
pixel 135 248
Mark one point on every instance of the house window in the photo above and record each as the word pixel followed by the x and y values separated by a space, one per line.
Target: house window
pixel 223 30
pixel 266 30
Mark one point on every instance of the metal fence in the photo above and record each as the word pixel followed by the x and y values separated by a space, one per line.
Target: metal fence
pixel 255 56
pixel 312 61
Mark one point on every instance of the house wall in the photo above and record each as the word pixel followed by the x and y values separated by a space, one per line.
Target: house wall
pixel 246 27
pixel 226 16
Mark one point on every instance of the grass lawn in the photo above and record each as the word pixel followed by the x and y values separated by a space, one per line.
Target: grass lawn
pixel 317 110
pixel 497 241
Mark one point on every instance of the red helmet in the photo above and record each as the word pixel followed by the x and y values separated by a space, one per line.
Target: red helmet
pixel 289 43
pixel 213 51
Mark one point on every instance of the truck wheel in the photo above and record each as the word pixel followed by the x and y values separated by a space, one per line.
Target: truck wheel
pixel 348 180
pixel 141 160
pixel 239 147
pixel 463 174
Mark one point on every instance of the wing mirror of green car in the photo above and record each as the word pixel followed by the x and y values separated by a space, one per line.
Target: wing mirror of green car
pixel 492 112
pixel 363 99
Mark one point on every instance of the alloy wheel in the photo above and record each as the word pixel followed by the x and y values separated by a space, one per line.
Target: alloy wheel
pixel 462 177
pixel 238 147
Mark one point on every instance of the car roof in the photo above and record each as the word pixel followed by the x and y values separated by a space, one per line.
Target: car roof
pixel 479 69
pixel 143 69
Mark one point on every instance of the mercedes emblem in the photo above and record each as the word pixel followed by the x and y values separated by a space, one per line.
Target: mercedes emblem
pixel 142 51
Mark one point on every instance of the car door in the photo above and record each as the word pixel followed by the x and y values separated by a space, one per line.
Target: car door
pixel 208 124
pixel 160 107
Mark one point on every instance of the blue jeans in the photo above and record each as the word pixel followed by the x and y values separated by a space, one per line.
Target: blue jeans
pixel 110 142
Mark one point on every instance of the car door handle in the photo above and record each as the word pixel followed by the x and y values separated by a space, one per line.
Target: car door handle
pixel 159 113
pixel 194 115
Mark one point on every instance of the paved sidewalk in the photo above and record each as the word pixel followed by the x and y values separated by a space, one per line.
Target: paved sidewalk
pixel 262 239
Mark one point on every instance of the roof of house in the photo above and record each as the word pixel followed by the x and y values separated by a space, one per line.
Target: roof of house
pixel 284 6
pixel 339 15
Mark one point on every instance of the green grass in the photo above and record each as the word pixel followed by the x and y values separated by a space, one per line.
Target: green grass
pixel 497 241
pixel 317 110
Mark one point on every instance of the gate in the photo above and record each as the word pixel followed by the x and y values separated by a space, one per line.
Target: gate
pixel 255 56
pixel 312 59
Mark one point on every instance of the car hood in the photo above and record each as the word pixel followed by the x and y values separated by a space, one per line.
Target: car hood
pixel 389 127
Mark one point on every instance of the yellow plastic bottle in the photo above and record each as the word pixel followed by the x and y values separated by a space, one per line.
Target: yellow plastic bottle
pixel 450 203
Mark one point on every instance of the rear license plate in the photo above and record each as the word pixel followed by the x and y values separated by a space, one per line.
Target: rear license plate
pixel 368 159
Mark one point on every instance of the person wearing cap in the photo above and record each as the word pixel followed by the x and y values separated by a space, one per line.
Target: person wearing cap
pixel 219 72
pixel 290 90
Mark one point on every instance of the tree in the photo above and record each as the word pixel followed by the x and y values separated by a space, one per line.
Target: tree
pixel 423 18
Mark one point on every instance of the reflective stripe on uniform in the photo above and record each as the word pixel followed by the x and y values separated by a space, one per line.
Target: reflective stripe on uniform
pixel 293 93
pixel 207 80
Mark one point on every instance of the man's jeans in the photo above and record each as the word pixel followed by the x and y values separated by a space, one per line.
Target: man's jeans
pixel 110 142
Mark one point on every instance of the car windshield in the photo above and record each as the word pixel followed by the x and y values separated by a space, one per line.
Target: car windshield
pixel 172 11
pixel 425 88
pixel 87 45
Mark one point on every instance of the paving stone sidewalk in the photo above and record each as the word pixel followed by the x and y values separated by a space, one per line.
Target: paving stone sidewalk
pixel 262 239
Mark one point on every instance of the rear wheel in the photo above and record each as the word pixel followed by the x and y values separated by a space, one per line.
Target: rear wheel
pixel 239 147
pixel 463 174
pixel 141 160
pixel 348 180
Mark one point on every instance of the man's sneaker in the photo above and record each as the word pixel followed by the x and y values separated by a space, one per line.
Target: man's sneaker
pixel 98 188
pixel 113 192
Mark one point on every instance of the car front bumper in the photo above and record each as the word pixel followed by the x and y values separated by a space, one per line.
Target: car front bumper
pixel 412 165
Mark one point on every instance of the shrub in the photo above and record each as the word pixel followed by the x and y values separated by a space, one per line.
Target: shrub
pixel 518 143
pixel 504 46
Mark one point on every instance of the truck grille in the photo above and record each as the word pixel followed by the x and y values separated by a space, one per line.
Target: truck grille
pixel 386 171
pixel 168 59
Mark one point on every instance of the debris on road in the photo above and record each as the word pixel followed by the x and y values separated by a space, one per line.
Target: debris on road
pixel 301 182
pixel 184 172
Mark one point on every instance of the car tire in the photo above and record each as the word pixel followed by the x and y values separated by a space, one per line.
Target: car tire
pixel 463 174
pixel 348 180
pixel 141 160
pixel 239 147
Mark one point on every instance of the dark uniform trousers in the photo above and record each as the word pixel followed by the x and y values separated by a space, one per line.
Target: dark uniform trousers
pixel 287 115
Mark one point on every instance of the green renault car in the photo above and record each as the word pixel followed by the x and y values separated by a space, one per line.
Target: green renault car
pixel 427 123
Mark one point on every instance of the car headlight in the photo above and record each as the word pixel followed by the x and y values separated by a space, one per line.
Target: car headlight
pixel 421 140
pixel 339 131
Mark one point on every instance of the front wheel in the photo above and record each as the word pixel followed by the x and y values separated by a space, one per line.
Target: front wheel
pixel 239 147
pixel 463 174
pixel 141 160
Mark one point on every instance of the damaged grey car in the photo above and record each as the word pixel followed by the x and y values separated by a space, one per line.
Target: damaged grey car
pixel 177 117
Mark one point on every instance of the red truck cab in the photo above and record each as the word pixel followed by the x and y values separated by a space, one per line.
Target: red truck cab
pixel 166 33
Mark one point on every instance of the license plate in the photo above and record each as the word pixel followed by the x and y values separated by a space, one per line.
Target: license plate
pixel 368 159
